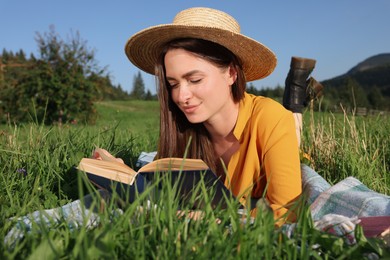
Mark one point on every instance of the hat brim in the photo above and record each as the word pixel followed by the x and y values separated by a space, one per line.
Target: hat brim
pixel 144 48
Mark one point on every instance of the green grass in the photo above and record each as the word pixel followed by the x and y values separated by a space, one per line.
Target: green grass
pixel 37 172
pixel 342 146
pixel 135 116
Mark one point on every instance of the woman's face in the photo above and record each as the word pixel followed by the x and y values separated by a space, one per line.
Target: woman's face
pixel 199 88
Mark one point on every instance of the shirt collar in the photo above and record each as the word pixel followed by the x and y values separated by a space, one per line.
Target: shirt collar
pixel 244 114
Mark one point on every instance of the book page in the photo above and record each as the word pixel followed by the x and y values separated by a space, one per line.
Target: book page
pixel 174 164
pixel 109 169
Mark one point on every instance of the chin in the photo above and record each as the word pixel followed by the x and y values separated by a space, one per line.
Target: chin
pixel 195 119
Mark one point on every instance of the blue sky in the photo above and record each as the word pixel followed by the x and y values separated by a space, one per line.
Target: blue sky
pixel 337 33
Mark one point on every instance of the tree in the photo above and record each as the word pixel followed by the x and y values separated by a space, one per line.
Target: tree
pixel 376 99
pixel 357 97
pixel 62 86
pixel 14 71
pixel 54 87
pixel 250 88
pixel 148 95
pixel 138 91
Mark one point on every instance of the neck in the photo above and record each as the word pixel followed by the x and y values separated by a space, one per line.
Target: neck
pixel 221 133
pixel 221 127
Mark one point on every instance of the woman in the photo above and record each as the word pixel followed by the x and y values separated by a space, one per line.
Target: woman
pixel 203 63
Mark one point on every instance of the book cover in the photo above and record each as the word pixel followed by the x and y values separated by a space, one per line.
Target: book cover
pixel 185 175
pixel 375 225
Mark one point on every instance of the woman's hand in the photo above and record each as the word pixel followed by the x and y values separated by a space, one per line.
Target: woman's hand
pixel 102 154
pixel 192 214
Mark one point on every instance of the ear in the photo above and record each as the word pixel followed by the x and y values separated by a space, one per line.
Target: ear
pixel 232 74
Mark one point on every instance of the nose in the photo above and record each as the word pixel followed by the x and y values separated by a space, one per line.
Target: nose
pixel 184 93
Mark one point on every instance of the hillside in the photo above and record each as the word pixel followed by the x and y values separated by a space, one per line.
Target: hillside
pixel 380 60
pixel 369 80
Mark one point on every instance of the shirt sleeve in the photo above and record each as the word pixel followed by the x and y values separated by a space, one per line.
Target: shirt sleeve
pixel 280 160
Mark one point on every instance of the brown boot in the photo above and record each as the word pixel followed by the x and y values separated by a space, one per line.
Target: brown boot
pixel 295 92
pixel 313 90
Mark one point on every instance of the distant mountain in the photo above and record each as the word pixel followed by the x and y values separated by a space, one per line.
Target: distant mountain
pixel 380 60
pixel 370 73
pixel 365 85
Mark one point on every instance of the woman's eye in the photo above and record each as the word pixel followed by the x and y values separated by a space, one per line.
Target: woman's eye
pixel 173 85
pixel 195 81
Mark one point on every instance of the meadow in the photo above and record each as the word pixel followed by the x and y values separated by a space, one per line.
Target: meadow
pixel 37 171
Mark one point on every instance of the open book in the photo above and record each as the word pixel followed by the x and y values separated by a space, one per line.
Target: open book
pixel 186 174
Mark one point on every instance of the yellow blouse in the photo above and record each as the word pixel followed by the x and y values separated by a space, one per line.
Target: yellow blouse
pixel 267 161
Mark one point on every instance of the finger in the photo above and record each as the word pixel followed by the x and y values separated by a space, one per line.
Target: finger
pixel 96 156
pixel 180 213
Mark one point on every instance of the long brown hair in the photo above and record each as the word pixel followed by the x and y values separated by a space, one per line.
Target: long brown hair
pixel 175 130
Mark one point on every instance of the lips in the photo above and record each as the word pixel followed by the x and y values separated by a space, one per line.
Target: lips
pixel 188 109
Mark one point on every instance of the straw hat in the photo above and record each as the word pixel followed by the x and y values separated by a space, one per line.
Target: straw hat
pixel 144 47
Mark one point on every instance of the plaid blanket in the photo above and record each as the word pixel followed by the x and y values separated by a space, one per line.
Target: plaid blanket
pixel 349 197
pixel 336 209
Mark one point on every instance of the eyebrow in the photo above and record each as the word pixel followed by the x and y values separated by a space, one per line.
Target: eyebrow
pixel 188 74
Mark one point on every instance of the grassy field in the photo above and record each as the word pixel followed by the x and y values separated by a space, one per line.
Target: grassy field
pixel 37 172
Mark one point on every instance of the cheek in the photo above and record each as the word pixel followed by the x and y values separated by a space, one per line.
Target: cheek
pixel 174 95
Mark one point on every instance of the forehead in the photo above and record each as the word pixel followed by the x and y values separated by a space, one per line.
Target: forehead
pixel 182 61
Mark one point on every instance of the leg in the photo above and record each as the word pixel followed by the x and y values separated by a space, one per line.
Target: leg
pixel 296 84
pixel 298 126
pixel 300 90
pixel 312 184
